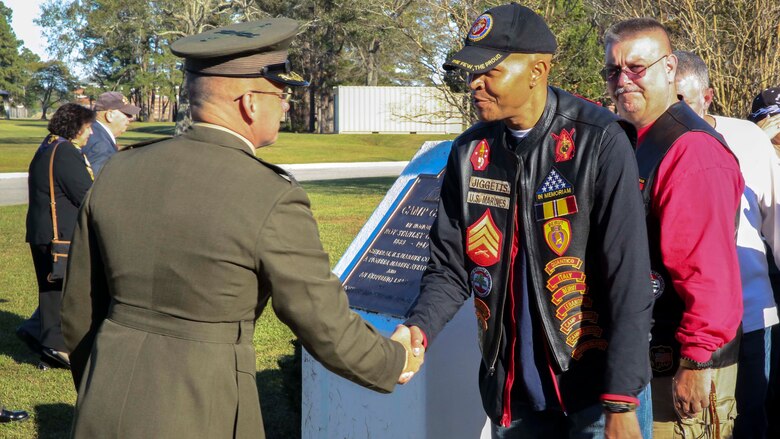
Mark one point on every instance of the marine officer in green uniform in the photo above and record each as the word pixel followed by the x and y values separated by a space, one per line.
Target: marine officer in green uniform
pixel 181 243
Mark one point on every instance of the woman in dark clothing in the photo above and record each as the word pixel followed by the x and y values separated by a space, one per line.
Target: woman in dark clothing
pixel 69 130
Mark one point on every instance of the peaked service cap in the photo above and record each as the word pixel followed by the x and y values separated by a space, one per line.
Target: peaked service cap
pixel 253 49
pixel 498 32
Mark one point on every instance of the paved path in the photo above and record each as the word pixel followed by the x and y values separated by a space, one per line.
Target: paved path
pixel 13 186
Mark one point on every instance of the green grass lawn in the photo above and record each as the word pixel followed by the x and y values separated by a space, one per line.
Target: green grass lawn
pixel 341 207
pixel 20 138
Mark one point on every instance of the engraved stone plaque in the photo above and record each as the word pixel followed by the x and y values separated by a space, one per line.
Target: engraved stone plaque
pixel 386 277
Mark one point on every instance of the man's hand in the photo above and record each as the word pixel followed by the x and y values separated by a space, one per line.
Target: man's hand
pixel 691 391
pixel 622 426
pixel 771 126
pixel 411 339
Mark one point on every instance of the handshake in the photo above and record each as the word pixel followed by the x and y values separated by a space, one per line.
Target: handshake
pixel 412 340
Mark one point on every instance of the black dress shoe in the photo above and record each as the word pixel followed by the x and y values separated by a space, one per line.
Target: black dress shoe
pixel 9 416
pixel 28 339
pixel 55 358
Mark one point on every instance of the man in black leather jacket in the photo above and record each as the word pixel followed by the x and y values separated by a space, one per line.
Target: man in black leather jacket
pixel 541 218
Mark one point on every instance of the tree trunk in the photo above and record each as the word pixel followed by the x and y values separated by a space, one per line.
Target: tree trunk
pixel 326 112
pixel 372 63
pixel 313 108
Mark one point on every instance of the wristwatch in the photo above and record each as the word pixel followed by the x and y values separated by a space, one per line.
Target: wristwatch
pixel 695 365
pixel 618 406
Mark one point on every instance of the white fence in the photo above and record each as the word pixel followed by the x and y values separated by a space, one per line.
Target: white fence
pixel 13 111
pixel 399 110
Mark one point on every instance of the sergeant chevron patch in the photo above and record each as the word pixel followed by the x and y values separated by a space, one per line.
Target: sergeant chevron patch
pixel 483 241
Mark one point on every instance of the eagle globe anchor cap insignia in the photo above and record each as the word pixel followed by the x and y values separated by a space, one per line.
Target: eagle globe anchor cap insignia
pixel 481 27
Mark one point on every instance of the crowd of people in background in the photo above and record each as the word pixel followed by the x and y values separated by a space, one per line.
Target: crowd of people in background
pixel 60 174
pixel 708 202
pixel 704 225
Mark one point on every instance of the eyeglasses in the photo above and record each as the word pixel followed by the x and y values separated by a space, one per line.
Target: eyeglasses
pixel 612 73
pixel 286 95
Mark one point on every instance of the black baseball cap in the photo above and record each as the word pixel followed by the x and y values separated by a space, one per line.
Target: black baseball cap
pixel 766 104
pixel 501 31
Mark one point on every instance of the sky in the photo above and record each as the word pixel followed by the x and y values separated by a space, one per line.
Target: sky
pixel 24 12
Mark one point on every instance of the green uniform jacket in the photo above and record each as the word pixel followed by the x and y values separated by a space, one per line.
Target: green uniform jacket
pixel 177 249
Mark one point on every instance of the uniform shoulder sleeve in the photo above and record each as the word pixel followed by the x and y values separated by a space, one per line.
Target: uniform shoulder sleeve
pixel 308 298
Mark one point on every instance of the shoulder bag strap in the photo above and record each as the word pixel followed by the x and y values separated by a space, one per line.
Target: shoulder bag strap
pixel 51 192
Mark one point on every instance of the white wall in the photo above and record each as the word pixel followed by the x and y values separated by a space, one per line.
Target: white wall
pixel 395 110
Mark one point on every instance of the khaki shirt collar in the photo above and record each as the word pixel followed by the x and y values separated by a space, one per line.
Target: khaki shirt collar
pixel 220 135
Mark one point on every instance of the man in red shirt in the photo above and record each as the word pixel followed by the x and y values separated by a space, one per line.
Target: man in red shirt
pixel 692 185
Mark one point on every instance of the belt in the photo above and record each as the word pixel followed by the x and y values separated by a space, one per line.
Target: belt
pixel 147 320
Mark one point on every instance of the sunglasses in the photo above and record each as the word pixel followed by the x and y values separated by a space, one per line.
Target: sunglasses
pixel 612 73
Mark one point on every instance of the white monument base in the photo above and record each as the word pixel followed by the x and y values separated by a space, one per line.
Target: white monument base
pixel 441 401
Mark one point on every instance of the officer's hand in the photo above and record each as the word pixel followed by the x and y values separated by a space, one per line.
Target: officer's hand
pixel 411 339
pixel 691 391
pixel 622 426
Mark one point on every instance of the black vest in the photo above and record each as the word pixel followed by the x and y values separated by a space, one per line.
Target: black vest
pixel 667 312
pixel 547 185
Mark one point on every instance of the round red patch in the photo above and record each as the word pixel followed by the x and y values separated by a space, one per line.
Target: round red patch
pixel 481 27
